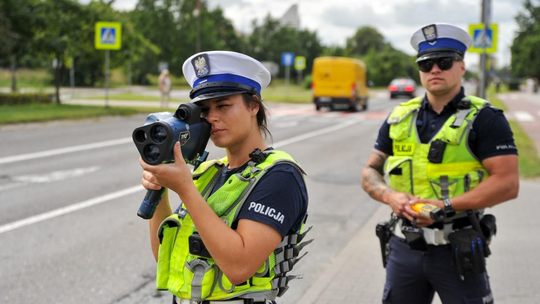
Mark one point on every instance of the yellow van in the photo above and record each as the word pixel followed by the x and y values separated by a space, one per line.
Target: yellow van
pixel 339 83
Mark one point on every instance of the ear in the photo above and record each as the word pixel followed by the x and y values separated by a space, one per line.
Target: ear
pixel 462 67
pixel 254 107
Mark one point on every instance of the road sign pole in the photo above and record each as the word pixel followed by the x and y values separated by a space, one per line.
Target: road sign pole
pixel 107 55
pixel 287 75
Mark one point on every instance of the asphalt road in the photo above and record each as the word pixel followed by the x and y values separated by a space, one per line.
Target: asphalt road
pixel 69 192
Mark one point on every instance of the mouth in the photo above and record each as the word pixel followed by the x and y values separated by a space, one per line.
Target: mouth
pixel 216 131
pixel 435 79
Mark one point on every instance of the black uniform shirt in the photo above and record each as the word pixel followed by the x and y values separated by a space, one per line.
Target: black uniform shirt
pixel 490 135
pixel 279 200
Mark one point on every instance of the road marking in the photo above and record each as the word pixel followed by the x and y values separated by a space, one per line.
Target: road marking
pixel 314 133
pixel 102 199
pixel 97 145
pixel 523 116
pixel 68 209
pixel 288 124
pixel 23 180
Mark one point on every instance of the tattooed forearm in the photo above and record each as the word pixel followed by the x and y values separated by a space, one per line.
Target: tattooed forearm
pixel 372 177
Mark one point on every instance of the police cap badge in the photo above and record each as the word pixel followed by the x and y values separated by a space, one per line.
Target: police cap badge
pixel 430 32
pixel 201 64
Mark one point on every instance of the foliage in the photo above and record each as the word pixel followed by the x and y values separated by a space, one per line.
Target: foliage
pixel 270 39
pixel 173 27
pixel 525 58
pixel 17 24
pixel 365 39
pixel 389 63
pixel 167 31
pixel 26 98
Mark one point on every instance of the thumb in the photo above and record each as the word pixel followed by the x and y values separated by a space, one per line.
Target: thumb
pixel 178 157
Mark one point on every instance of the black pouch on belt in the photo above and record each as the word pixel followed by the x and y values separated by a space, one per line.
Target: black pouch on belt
pixel 489 226
pixel 468 248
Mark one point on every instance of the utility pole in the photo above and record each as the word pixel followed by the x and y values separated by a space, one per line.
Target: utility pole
pixel 197 13
pixel 485 19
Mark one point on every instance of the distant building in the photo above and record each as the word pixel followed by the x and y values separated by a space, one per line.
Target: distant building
pixel 291 17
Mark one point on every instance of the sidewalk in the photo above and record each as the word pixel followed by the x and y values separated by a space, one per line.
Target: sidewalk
pixel 524 107
pixel 356 275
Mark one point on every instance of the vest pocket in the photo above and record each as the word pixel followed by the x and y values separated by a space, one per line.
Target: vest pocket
pixel 167 233
pixel 472 179
pixel 399 171
pixel 201 276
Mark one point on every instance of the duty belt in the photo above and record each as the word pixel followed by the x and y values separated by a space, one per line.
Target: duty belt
pixel 238 301
pixel 436 234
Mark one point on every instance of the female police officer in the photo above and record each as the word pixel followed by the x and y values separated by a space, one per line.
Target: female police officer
pixel 235 236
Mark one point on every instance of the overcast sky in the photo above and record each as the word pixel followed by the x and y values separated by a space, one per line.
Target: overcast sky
pixel 335 20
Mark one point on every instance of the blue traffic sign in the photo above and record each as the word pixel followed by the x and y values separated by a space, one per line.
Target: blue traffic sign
pixel 481 40
pixel 287 59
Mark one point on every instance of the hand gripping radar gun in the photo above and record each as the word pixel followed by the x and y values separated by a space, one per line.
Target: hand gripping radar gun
pixel 156 138
pixel 430 211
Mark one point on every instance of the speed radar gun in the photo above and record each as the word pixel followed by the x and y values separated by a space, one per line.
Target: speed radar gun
pixel 155 141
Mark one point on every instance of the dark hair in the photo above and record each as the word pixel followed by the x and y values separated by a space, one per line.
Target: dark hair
pixel 262 121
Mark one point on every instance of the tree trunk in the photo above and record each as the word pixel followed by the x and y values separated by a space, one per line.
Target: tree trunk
pixel 13 76
pixel 57 79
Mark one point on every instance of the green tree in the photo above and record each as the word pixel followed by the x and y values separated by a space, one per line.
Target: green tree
pixel 525 54
pixel 17 22
pixel 270 39
pixel 58 33
pixel 389 63
pixel 365 39
pixel 173 27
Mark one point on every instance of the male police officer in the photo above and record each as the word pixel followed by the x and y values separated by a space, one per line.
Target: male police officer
pixel 450 150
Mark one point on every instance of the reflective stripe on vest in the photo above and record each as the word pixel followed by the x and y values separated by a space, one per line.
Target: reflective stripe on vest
pixel 410 170
pixel 192 277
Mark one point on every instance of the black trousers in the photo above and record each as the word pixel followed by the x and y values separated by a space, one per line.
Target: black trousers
pixel 413 277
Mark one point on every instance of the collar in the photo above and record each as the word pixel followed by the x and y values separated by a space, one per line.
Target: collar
pixel 228 170
pixel 452 105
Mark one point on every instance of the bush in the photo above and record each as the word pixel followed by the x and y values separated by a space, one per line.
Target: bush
pixel 25 98
pixel 307 82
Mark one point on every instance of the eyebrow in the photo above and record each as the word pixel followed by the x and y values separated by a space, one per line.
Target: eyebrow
pixel 221 99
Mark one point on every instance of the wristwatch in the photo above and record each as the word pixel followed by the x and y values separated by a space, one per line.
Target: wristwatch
pixel 448 208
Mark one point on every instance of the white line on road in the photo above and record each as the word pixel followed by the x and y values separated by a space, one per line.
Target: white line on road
pixel 24 180
pixel 102 144
pixel 523 116
pixel 68 209
pixel 102 199
pixel 314 133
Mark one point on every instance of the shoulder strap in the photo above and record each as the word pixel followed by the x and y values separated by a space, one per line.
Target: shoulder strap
pixel 401 112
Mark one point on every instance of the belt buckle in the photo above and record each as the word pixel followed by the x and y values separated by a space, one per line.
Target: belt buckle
pixel 186 301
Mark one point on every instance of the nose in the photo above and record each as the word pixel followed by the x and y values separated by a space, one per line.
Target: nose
pixel 435 68
pixel 211 115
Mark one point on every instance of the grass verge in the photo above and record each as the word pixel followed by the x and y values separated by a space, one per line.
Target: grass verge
pixel 290 94
pixel 41 112
pixel 529 162
pixel 134 97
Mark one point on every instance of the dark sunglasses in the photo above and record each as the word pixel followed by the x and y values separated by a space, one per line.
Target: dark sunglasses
pixel 444 63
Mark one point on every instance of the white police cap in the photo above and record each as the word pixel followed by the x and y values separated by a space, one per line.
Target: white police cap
pixel 222 73
pixel 440 40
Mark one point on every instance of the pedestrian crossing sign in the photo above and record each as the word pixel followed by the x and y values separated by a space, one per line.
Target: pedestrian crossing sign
pixel 483 39
pixel 108 36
